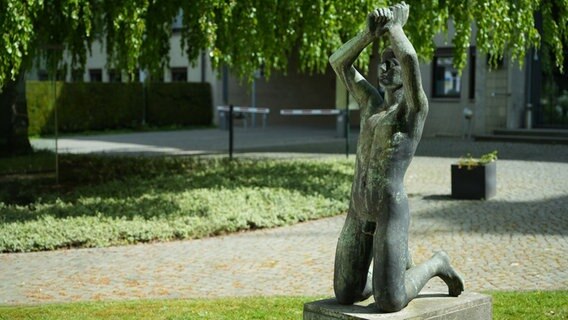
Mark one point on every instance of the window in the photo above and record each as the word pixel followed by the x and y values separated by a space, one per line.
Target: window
pixel 77 75
pixel 114 76
pixel 179 74
pixel 43 75
pixel 159 77
pixel 61 74
pixel 447 81
pixel 552 99
pixel 96 75
pixel 134 76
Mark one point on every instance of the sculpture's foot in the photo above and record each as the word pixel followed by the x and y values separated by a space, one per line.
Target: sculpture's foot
pixel 450 276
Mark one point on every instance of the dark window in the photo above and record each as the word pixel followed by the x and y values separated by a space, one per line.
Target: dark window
pixel 95 75
pixel 179 74
pixel 553 97
pixel 159 77
pixel 42 75
pixel 77 75
pixel 61 74
pixel 472 56
pixel 447 81
pixel 114 76
pixel 134 76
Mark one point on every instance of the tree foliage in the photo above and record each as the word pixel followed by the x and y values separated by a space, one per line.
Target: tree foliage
pixel 246 34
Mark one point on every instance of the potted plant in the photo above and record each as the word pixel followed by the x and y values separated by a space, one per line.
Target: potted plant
pixel 475 178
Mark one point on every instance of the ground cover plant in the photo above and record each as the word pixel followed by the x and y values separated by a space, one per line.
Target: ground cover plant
pixel 41 161
pixel 506 306
pixel 103 200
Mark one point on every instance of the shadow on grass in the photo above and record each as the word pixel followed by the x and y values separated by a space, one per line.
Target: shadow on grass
pixel 128 188
pixel 131 188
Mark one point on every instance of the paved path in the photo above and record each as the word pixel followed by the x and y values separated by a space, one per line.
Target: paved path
pixel 516 241
pixel 192 142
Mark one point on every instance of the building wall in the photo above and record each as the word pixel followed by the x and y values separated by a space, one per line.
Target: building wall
pixel 445 116
pixel 292 90
pixel 497 95
pixel 502 100
pixel 95 60
pixel 201 70
pixel 498 101
pixel 517 103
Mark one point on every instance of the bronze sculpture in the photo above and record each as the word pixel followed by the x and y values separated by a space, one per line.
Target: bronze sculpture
pixel 376 227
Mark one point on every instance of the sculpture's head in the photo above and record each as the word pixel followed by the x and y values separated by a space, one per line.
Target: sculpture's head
pixel 390 74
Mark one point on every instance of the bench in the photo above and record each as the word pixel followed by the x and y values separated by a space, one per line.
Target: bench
pixel 241 112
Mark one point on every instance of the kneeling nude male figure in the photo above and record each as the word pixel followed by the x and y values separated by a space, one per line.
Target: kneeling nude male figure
pixel 376 227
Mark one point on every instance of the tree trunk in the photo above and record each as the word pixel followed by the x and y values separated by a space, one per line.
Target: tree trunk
pixel 14 118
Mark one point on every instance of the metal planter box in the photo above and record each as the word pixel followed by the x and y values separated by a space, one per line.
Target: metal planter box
pixel 478 182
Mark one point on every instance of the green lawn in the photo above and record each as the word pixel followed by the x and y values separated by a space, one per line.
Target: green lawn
pixel 104 201
pixel 230 308
pixel 530 305
pixel 506 305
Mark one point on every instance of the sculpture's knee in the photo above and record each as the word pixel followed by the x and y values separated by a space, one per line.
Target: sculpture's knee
pixel 344 297
pixel 351 291
pixel 349 294
pixel 391 304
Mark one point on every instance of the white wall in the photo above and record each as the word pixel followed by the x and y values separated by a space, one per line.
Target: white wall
pixel 97 60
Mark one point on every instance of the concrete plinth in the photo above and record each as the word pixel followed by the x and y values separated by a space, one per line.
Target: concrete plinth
pixel 431 306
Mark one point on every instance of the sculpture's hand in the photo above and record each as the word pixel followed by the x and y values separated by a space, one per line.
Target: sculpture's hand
pixel 377 21
pixel 400 14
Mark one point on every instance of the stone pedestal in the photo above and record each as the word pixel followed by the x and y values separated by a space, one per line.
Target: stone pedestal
pixel 431 306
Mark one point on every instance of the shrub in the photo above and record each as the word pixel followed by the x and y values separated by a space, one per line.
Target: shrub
pixel 100 106
pixel 83 106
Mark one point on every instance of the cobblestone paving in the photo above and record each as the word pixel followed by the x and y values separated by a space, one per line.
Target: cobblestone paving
pixel 515 241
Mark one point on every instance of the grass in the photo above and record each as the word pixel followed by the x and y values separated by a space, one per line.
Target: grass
pixel 104 201
pixel 530 305
pixel 227 308
pixel 506 306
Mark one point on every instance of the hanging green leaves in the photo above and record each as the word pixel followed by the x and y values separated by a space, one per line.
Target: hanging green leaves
pixel 248 34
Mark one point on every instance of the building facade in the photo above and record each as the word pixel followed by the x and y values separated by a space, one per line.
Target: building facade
pixel 478 100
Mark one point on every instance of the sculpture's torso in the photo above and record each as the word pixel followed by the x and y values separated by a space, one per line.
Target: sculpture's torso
pixel 384 152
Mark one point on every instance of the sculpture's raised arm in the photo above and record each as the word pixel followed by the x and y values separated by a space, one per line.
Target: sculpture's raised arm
pixel 406 55
pixel 343 59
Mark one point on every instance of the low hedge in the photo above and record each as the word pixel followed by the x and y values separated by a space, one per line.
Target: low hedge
pixel 101 106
